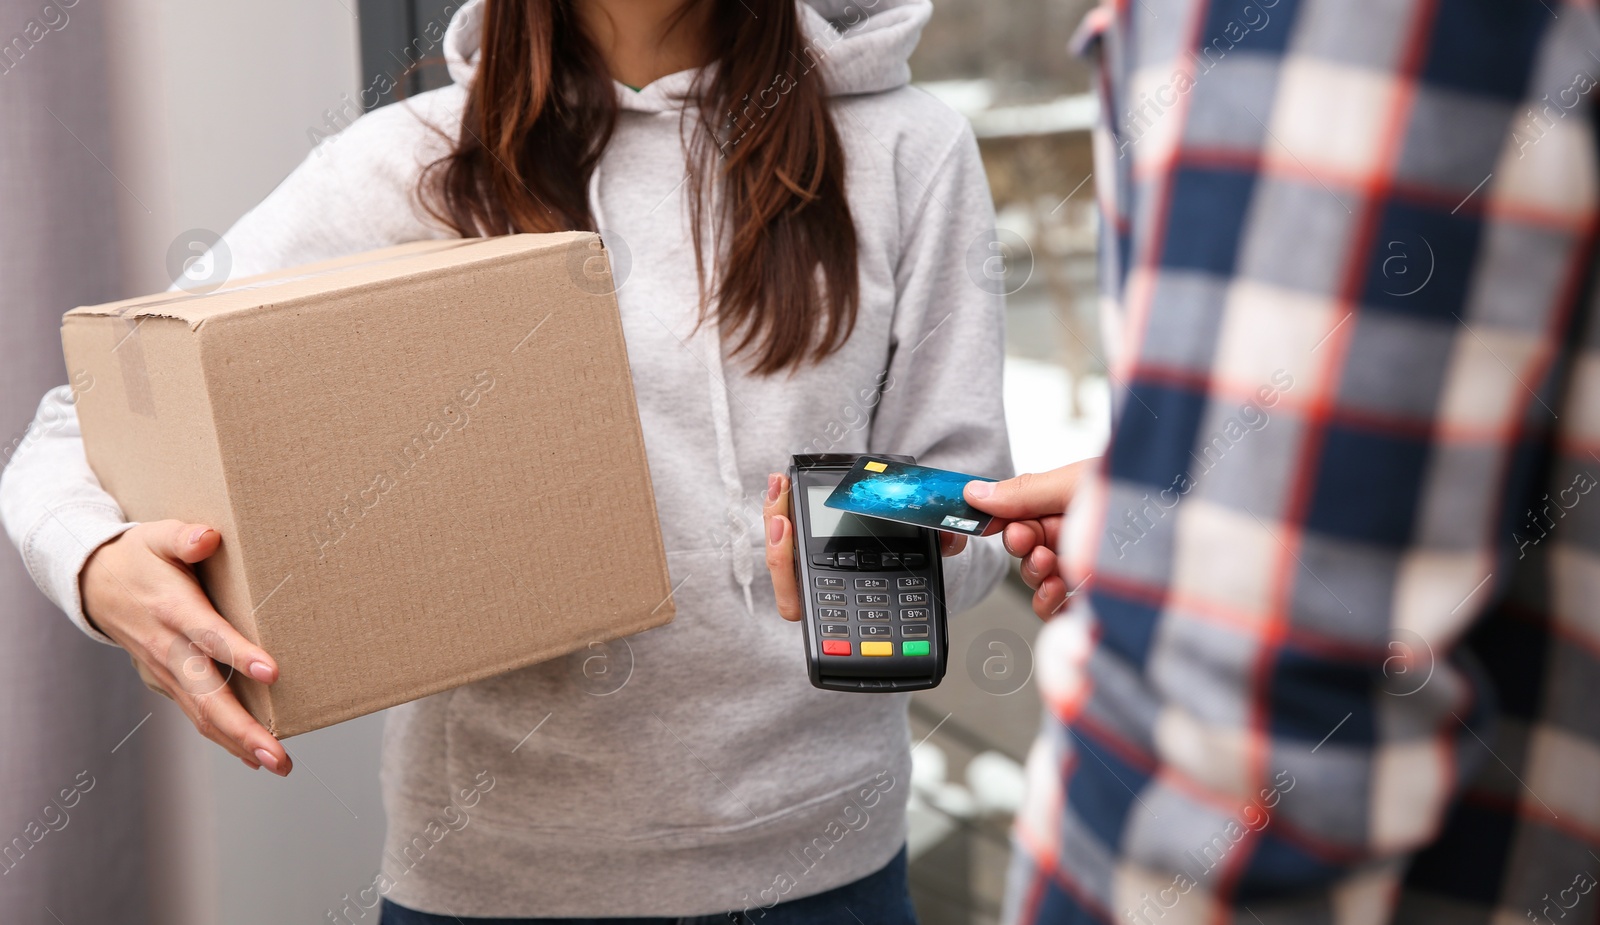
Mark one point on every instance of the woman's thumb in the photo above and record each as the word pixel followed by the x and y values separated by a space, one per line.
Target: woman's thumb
pixel 184 542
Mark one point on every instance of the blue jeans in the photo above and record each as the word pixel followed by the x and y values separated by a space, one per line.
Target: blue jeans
pixel 877 899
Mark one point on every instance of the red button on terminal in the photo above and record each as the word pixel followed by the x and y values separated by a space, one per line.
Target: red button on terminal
pixel 835 647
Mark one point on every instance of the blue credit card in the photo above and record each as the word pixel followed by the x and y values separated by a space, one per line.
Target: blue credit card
pixel 908 494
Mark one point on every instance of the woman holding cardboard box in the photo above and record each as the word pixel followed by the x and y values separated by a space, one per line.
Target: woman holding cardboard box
pixel 800 224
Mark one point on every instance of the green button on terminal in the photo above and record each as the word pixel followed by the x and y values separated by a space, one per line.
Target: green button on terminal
pixel 919 647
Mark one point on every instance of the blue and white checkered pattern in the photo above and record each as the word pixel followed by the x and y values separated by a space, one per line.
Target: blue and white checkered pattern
pixel 1337 657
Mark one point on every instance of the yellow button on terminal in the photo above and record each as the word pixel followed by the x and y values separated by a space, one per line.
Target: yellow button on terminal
pixel 877 648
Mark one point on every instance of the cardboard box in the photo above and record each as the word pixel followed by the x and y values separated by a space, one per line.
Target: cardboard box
pixel 425 462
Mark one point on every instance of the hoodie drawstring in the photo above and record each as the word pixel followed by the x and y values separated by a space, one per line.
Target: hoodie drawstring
pixel 721 423
pixel 728 466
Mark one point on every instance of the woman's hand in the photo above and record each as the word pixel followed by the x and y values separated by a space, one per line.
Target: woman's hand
pixel 780 546
pixel 138 589
pixel 1034 503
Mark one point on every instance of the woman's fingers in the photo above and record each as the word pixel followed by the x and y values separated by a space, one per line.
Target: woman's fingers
pixel 951 543
pixel 222 719
pixel 203 693
pixel 780 546
pixel 149 678
pixel 190 613
pixel 780 562
pixel 191 680
pixel 140 590
pixel 201 624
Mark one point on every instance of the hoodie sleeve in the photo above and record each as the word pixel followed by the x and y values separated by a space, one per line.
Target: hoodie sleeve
pixel 353 193
pixel 53 506
pixel 942 401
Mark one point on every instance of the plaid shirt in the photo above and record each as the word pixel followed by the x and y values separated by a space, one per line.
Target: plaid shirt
pixel 1337 654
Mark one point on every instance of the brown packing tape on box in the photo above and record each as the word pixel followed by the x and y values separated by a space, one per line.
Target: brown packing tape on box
pixel 423 461
pixel 130 360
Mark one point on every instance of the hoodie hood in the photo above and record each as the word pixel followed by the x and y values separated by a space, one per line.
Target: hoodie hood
pixel 862 47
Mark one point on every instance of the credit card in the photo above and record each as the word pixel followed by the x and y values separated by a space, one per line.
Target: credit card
pixel 908 494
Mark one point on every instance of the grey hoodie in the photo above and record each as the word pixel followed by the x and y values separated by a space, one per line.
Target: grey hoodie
pixel 691 769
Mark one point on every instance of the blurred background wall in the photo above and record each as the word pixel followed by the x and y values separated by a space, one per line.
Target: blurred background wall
pixel 59 721
pixel 125 124
pixel 136 125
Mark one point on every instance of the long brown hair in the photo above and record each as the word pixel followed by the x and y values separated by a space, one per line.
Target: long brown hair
pixel 543 107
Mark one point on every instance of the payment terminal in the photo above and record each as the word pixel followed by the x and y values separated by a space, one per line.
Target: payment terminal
pixel 873 589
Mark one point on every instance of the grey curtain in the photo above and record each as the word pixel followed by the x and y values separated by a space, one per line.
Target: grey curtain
pixel 66 703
